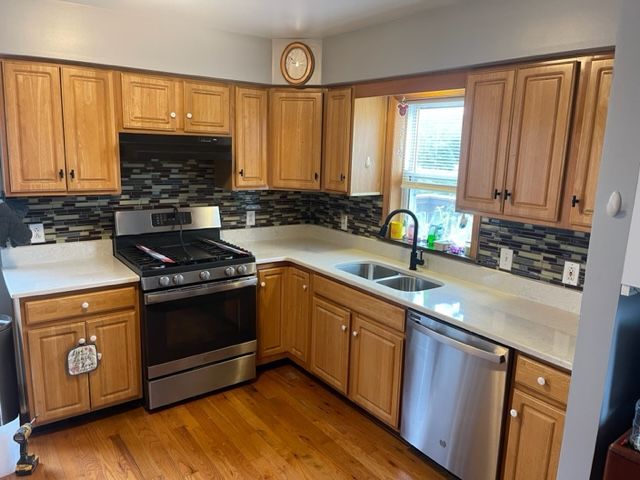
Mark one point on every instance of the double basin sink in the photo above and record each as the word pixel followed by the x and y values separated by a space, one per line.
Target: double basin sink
pixel 389 277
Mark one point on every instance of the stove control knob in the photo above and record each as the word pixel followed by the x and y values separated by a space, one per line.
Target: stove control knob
pixel 164 281
pixel 242 269
pixel 178 279
pixel 205 275
pixel 229 271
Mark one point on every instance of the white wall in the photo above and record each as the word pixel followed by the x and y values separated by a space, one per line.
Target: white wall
pixel 279 44
pixel 473 32
pixel 54 29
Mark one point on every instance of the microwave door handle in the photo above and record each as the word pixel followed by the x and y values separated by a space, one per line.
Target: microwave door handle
pixel 470 349
pixel 198 290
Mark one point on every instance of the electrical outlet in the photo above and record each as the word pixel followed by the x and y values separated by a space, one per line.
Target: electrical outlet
pixel 571 273
pixel 506 258
pixel 251 218
pixel 344 220
pixel 37 233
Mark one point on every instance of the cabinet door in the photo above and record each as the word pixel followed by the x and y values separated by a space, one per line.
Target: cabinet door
pixel 367 145
pixel 118 377
pixel 485 137
pixel 270 311
pixel 35 142
pixel 336 149
pixel 296 137
pixel 207 108
pixel 376 369
pixel 330 343
pixel 591 142
pixel 534 439
pixel 297 300
pixel 537 151
pixel 149 103
pixel 56 394
pixel 90 135
pixel 251 138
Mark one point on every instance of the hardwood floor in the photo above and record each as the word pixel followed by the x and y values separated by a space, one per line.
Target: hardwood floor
pixel 283 425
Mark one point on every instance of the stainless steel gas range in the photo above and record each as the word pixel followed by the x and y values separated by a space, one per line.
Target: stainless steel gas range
pixel 198 301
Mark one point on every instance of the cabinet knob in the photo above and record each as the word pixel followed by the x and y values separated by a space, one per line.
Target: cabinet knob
pixel 99 356
pixel 574 201
pixel 82 341
pixel 342 177
pixel 507 194
pixel 513 412
pixel 172 114
pixel 344 328
pixel 93 338
pixel 241 172
pixel 541 381
pixel 304 287
pixel 354 333
pixel 85 305
pixel 263 284
pixel 189 115
pixel 61 174
pixel 315 176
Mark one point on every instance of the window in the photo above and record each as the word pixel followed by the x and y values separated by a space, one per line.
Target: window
pixel 432 130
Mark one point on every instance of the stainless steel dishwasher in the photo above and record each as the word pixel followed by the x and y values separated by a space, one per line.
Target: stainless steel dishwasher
pixel 453 397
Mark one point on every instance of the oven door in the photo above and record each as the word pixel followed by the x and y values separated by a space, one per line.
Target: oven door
pixel 197 325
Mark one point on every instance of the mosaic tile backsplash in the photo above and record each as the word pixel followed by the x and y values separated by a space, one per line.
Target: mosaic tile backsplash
pixel 539 252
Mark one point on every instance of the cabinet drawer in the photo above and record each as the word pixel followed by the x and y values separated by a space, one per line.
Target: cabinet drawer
pixel 378 310
pixel 57 308
pixel 543 379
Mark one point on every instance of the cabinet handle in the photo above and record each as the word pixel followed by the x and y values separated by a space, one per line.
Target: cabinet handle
pixel 343 328
pixel 497 194
pixel 85 305
pixel 574 201
pixel 189 115
pixel 342 177
pixel 72 174
pixel 507 194
pixel 354 333
pixel 513 412
pixel 61 174
pixel 81 341
pixel 263 284
pixel 241 172
pixel 93 338
pixel 304 287
pixel 99 356
pixel 541 381
pixel 315 176
pixel 172 114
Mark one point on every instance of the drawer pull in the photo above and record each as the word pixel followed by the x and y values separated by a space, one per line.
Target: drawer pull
pixel 513 412
pixel 541 381
pixel 85 305
pixel 93 338
pixel 82 341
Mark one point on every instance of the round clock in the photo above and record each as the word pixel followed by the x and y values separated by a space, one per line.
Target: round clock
pixel 296 63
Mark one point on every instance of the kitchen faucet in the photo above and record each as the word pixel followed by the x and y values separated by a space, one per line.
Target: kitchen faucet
pixel 413 260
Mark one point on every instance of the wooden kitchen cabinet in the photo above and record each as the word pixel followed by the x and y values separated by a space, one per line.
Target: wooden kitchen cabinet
pixel 336 152
pixel 48 336
pixel 582 194
pixel 61 130
pixel 536 421
pixel 296 138
pixel 250 140
pixel 330 342
pixel 167 104
pixel 271 310
pixel 298 304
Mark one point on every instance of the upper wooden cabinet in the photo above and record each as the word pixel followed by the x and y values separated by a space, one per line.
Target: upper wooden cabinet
pixel 167 104
pixel 250 140
pixel 336 152
pixel 514 140
pixel 581 197
pixel 296 138
pixel 61 133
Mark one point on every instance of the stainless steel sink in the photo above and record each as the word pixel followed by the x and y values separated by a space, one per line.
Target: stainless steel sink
pixel 408 283
pixel 389 277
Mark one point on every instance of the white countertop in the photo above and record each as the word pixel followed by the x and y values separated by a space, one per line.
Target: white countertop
pixel 62 267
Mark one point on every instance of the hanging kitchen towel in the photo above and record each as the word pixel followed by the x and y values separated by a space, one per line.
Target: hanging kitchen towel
pixel 12 228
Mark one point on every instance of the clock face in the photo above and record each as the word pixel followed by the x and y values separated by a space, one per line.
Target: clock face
pixel 297 63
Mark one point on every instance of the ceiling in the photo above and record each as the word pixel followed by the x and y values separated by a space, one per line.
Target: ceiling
pixel 275 18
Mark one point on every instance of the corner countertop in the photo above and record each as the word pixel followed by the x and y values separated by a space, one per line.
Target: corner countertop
pixel 544 332
pixel 63 267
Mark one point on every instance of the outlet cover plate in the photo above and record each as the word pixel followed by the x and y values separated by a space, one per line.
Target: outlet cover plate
pixel 37 233
pixel 506 259
pixel 251 218
pixel 571 273
pixel 344 221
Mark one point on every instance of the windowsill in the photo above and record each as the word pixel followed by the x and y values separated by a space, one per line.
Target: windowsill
pixel 422 246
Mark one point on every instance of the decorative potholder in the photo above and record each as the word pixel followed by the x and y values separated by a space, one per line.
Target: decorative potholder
pixel 82 359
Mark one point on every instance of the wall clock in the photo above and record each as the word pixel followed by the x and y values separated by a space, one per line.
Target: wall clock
pixel 297 63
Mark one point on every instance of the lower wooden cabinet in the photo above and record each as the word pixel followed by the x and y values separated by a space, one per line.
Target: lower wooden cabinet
pixel 271 282
pixel 52 393
pixel 298 304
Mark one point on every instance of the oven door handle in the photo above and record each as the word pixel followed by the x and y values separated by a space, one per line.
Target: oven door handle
pixel 198 290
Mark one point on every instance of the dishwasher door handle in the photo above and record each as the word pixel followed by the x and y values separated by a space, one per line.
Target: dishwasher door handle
pixel 470 349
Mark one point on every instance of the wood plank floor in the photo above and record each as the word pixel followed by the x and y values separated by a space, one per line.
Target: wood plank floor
pixel 283 425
